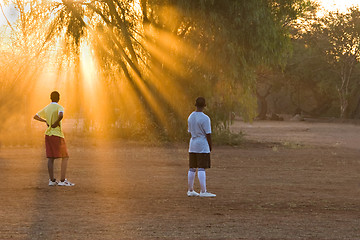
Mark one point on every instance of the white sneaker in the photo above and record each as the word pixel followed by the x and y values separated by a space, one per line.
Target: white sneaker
pixel 66 183
pixel 192 194
pixel 207 194
pixel 52 183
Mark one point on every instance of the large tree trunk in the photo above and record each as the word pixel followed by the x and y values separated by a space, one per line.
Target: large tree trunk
pixel 343 90
pixel 344 104
pixel 263 107
pixel 263 104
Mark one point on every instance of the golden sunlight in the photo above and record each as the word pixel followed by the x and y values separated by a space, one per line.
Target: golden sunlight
pixel 8 14
pixel 338 5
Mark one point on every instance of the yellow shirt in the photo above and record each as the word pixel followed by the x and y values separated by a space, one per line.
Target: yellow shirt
pixel 51 113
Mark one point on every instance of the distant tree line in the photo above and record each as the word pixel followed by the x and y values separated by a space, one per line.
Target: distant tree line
pixel 161 54
pixel 322 75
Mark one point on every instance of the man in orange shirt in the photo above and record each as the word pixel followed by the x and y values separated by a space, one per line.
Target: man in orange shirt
pixel 52 115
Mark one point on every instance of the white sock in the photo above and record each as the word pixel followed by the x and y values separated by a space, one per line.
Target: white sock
pixel 202 180
pixel 191 178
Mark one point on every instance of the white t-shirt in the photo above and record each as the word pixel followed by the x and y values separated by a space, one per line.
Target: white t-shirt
pixel 199 125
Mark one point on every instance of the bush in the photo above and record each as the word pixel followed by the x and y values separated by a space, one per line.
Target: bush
pixel 226 137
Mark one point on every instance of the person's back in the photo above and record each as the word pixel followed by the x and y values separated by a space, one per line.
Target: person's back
pixel 55 144
pixel 199 126
pixel 51 113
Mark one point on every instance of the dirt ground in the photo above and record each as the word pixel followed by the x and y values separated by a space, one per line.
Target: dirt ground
pixel 291 180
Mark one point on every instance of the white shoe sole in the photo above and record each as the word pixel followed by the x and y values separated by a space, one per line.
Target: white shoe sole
pixel 207 195
pixel 71 185
pixel 192 194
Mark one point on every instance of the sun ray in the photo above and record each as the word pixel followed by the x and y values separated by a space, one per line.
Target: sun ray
pixel 337 5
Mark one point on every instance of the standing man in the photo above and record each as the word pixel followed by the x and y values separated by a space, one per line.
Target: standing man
pixel 52 115
pixel 199 148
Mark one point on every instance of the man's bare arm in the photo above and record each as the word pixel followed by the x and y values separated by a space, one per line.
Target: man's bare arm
pixel 208 137
pixel 57 122
pixel 36 117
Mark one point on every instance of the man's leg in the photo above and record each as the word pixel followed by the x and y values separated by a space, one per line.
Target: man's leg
pixel 51 168
pixel 202 176
pixel 202 179
pixel 63 173
pixel 63 168
pixel 191 178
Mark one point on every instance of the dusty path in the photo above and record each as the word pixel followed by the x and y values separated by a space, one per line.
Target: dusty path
pixel 265 190
pixel 306 132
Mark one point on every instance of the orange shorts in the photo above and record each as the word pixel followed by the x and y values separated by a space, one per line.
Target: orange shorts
pixel 55 147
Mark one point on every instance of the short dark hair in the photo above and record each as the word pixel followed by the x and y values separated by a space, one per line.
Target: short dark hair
pixel 55 96
pixel 200 102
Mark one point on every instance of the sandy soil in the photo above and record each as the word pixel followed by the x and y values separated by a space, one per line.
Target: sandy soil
pixel 294 180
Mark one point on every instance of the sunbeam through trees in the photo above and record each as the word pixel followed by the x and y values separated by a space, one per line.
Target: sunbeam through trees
pixel 138 64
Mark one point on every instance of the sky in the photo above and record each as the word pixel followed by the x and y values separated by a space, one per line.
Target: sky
pixel 341 5
pixel 10 12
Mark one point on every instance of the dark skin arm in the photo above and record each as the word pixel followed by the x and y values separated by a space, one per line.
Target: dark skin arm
pixel 208 137
pixel 36 117
pixel 57 122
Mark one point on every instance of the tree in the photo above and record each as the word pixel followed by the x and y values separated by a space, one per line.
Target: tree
pixel 337 36
pixel 235 38
pixel 167 52
pixel 309 74
pixel 20 56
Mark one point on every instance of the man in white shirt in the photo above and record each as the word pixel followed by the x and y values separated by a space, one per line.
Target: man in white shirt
pixel 199 148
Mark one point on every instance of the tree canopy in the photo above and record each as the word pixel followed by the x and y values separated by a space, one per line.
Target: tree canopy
pixel 328 55
pixel 151 58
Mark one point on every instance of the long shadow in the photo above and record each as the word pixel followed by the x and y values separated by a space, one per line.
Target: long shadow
pixel 67 212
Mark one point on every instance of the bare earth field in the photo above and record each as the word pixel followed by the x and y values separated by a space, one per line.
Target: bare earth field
pixel 291 180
